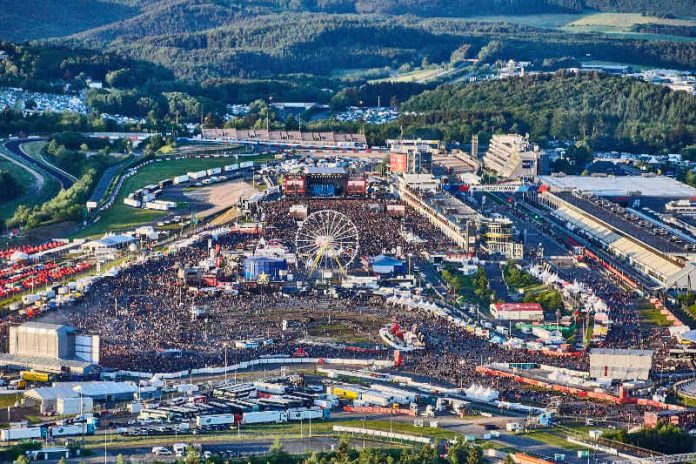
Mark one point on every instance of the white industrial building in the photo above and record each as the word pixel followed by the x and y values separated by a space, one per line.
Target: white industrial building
pixel 50 348
pixel 620 364
pixel 620 186
pixel 51 399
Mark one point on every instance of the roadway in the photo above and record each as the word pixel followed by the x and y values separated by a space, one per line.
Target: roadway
pixel 15 147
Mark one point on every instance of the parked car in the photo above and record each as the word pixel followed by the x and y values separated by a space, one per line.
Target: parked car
pixel 161 451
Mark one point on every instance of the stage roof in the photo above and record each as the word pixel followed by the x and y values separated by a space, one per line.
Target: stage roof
pixel 313 170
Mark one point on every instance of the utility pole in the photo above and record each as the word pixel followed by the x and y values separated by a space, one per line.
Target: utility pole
pixel 225 363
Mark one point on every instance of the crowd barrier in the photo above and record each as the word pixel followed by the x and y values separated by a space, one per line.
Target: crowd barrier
pixel 208 371
pixel 578 392
pixel 382 434
pixel 380 410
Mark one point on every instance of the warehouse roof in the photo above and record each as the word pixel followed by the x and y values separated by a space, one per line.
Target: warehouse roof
pixel 622 352
pixel 45 326
pixel 44 364
pixel 648 186
pixel 89 389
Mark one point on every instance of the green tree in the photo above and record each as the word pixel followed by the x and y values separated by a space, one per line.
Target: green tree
pixel 458 452
pixel 277 453
pixel 474 456
pixel 343 450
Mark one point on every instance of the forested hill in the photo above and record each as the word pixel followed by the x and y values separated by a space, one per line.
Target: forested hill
pixel 268 45
pixel 21 20
pixel 606 111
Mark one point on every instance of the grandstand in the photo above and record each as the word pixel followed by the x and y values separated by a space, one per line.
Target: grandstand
pixel 651 250
pixel 289 139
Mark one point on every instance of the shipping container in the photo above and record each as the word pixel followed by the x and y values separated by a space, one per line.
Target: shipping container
pixel 246 164
pixel 346 392
pixel 306 414
pixel 197 175
pixel 399 396
pixel 36 376
pixel 30 299
pixel 273 388
pixel 231 167
pixel 377 399
pixel 132 202
pixel 70 406
pixel 216 419
pixel 70 430
pixel 214 171
pixel 21 433
pixel 180 179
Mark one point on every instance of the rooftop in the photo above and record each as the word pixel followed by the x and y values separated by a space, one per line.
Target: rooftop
pixel 320 170
pixel 647 186
pixel 621 352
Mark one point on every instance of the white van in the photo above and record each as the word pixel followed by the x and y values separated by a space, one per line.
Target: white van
pixel 180 449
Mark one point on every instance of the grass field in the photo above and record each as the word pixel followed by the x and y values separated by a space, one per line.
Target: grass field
pixel 619 24
pixel 120 216
pixel 10 400
pixel 33 149
pixel 421 75
pixel 540 20
pixel 651 315
pixel 625 21
pixel 287 430
pixel 553 439
pixel 30 197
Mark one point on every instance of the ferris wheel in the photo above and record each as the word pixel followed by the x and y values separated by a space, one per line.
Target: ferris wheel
pixel 327 241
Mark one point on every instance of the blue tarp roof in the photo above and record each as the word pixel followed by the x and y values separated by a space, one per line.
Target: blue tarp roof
pixel 384 260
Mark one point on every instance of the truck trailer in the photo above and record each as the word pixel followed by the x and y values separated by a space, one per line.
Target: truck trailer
pixel 264 417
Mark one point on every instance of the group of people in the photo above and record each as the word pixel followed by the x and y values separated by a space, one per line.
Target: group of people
pixel 149 320
pixel 379 230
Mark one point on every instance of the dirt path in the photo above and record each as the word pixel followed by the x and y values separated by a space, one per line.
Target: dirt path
pixel 221 196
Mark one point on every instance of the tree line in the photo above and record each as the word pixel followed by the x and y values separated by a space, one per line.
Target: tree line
pixel 614 113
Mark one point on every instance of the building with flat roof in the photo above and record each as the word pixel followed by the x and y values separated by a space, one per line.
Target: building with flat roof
pixel 455 219
pixel 47 398
pixel 51 348
pixel 650 248
pixel 511 156
pixel 620 364
pixel 497 237
pixel 517 311
pixel 621 186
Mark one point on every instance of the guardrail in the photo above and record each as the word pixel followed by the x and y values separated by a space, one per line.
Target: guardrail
pixel 383 434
